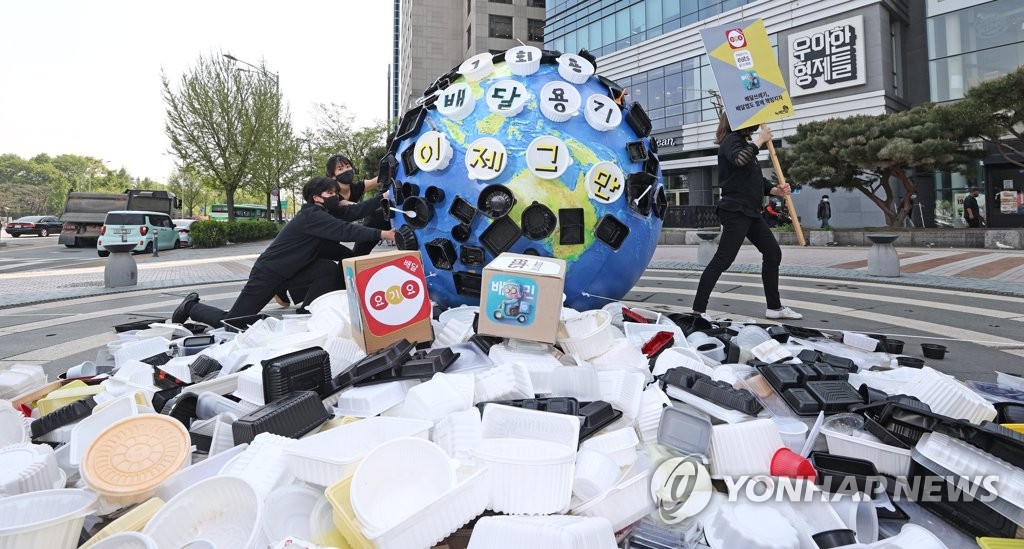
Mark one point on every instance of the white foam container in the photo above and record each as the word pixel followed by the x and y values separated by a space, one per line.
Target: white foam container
pixel 457 433
pixel 13 426
pixel 579 382
pixel 627 502
pixel 744 448
pixel 27 468
pixel 587 335
pixel 711 347
pixel 263 464
pixel 329 456
pixel 398 479
pixel 965 460
pixel 527 477
pixel 287 511
pixel 622 389
pixel 639 334
pixel 20 378
pixel 622 354
pixel 911 536
pixel 860 341
pixel 508 381
pixel 860 444
pixel 947 396
pixel 452 332
pixel 464 313
pixel 210 404
pixel 222 509
pixel 595 474
pixel 343 352
pixel 436 398
pixel 752 526
pixel 708 407
pixel 196 472
pixel 652 401
pixel 500 422
pixel 539 362
pixel 50 518
pixel 371 400
pixel 553 532
pixel 674 357
pixel 126 540
pixel 620 445
pixel 770 351
pixel 222 438
pixel 179 367
pixel 459 505
pixel 138 350
pixel 250 385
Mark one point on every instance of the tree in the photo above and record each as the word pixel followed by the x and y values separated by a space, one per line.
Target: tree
pixel 277 156
pixel 871 154
pixel 991 111
pixel 185 183
pixel 334 132
pixel 217 119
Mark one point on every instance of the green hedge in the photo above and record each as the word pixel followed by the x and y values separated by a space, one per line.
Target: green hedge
pixel 211 234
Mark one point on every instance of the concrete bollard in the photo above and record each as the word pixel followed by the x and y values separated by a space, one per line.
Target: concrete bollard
pixel 121 269
pixel 882 257
pixel 707 247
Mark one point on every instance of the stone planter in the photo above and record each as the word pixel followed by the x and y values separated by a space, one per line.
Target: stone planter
pixel 819 238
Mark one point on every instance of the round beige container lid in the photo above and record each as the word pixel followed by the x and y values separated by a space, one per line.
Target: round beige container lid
pixel 136 454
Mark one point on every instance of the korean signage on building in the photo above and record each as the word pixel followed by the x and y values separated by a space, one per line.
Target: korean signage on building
pixel 828 57
pixel 747 73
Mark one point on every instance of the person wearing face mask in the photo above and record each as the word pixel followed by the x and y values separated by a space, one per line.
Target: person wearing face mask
pixel 292 259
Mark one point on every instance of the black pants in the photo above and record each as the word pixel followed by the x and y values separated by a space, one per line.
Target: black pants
pixel 736 227
pixel 974 222
pixel 321 276
pixel 376 220
pixel 334 251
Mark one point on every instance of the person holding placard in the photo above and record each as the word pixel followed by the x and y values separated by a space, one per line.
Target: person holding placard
pixel 743 190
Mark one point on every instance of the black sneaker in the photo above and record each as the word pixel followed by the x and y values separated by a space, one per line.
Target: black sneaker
pixel 181 313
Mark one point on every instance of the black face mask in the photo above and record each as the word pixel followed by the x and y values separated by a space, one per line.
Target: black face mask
pixel 345 177
pixel 332 203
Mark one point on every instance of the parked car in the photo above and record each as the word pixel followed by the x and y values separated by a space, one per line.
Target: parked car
pixel 182 225
pixel 144 229
pixel 42 225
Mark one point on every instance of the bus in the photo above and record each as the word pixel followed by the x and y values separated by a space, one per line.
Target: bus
pixel 243 212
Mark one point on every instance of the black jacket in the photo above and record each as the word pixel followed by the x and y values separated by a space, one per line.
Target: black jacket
pixel 297 244
pixel 739 176
pixel 971 205
pixel 824 210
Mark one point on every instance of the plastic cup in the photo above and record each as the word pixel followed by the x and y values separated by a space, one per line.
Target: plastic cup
pixel 287 511
pixel 787 463
pixel 793 432
pixel 85 369
pixel 595 474
pixel 858 514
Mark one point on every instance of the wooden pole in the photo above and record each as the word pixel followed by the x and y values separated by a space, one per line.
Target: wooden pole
pixel 789 199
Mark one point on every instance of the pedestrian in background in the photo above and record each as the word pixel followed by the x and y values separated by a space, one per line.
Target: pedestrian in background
pixel 739 210
pixel 972 213
pixel 824 211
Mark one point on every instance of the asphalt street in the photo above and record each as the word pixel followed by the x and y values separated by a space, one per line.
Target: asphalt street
pixel 55 312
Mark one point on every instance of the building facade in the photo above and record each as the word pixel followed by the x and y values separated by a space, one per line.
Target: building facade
pixel 970 41
pixel 435 35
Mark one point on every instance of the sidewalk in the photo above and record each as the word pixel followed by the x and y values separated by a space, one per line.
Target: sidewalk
pixel 998 272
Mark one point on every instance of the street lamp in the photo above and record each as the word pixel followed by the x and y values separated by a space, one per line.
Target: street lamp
pixel 261 70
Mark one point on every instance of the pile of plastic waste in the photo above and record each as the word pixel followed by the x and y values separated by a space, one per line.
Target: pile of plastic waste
pixel 637 429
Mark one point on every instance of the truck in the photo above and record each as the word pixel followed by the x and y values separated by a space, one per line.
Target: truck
pixel 84 212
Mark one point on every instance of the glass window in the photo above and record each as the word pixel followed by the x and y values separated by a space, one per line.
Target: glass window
pixel 637 20
pixel 673 89
pixel 500 1
pixel 535 30
pixel 691 112
pixel 653 13
pixel 670 9
pixel 691 85
pixel 639 92
pixel 688 19
pixel 570 42
pixel 608 30
pixel 582 39
pixel 688 6
pixel 656 93
pixel 622 25
pixel 535 3
pixel 594 30
pixel 499 26
pixel 670 26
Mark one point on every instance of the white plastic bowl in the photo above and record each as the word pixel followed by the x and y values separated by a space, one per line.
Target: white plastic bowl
pixel 12 425
pixel 28 468
pixel 595 474
pixel 126 540
pixel 398 479
pixel 287 511
pixel 50 518
pixel 223 509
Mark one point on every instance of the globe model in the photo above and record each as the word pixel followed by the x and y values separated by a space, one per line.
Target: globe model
pixel 527 152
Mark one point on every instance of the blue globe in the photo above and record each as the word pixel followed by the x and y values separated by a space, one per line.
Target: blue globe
pixel 497 160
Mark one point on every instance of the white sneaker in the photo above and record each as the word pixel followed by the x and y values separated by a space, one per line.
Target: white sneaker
pixel 784 313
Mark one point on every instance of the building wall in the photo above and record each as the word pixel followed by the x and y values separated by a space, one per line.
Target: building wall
pixel 437 35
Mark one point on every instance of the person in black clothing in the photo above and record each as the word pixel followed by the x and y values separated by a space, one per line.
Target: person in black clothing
pixel 972 213
pixel 739 210
pixel 292 258
pixel 340 168
pixel 824 211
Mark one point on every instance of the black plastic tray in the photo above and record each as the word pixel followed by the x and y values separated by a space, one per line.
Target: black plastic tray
pixel 292 416
pixel 203 367
pixel 65 415
pixel 241 323
pixel 500 235
pixel 969 515
pixel 442 253
pixel 471 256
pixel 467 283
pixel 570 226
pixel 812 388
pixel 375 363
pixel 595 416
pixel 405 238
pixel 423 365
pixel 556 405
pixel 611 231
pixel 305 370
pixel 835 472
pixel 462 210
pixel 726 396
pixel 484 342
pixel 183 408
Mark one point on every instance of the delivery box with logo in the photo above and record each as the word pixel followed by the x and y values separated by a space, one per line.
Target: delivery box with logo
pixel 388 301
pixel 521 297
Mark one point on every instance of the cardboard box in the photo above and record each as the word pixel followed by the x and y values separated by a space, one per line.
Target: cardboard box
pixel 387 299
pixel 521 297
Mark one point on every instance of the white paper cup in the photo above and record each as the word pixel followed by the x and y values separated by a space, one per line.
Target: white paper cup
pixel 595 474
pixel 85 369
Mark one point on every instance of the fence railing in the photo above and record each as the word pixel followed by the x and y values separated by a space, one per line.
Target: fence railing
pixel 695 217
